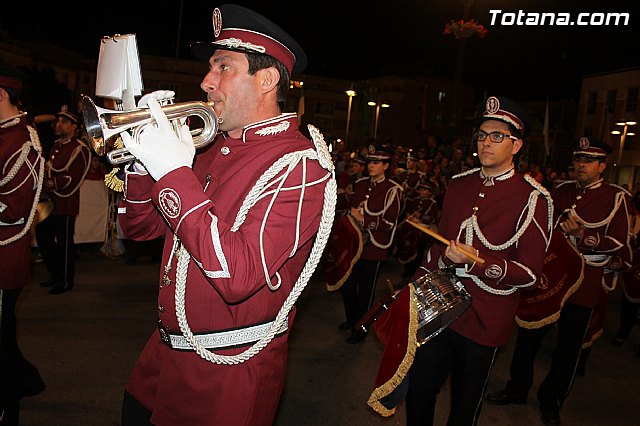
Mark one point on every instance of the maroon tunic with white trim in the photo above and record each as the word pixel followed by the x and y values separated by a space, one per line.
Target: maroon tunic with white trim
pixel 65 171
pixel 380 204
pixel 17 196
pixel 608 207
pixel 226 285
pixel 500 210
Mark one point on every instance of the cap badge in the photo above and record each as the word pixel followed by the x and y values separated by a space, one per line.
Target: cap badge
pixel 584 143
pixel 372 149
pixel 493 105
pixel 64 108
pixel 217 22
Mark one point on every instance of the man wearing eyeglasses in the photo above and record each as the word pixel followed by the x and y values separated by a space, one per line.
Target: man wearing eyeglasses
pixel 505 218
pixel 593 215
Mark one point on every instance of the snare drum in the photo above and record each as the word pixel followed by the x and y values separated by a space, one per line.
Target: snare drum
pixel 441 299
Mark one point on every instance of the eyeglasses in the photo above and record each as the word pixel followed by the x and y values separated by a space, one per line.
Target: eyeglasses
pixel 495 137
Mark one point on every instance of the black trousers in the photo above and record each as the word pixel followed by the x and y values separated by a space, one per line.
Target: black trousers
pixel 628 314
pixel 18 377
pixel 133 412
pixel 54 236
pixel 554 389
pixel 469 365
pixel 359 289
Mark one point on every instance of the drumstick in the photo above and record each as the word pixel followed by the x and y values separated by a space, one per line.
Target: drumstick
pixel 443 240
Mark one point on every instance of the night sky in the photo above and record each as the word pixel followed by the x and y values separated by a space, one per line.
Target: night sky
pixel 360 39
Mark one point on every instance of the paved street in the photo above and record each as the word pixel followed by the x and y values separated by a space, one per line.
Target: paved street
pixel 85 343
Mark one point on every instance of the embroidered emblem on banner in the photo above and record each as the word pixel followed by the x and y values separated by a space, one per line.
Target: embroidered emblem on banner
pixel 170 203
pixel 217 22
pixel 274 130
pixel 590 241
pixel 584 143
pixel 493 271
pixel 493 105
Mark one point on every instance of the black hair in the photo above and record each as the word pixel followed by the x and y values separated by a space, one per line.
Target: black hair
pixel 258 62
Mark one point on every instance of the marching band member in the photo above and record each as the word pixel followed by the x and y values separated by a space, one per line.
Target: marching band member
pixel 65 170
pixel 246 220
pixel 21 170
pixel 375 206
pixel 594 215
pixel 503 217
pixel 346 181
pixel 410 242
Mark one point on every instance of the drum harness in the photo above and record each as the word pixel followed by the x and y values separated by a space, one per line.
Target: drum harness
pixel 259 191
pixel 471 228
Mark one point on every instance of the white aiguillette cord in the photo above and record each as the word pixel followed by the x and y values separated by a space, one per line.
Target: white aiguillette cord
pixel 322 236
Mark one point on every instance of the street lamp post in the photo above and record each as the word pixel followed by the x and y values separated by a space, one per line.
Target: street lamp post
pixel 378 105
pixel 623 136
pixel 350 93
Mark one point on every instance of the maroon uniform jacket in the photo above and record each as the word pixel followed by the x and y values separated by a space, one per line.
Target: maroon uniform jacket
pixel 345 183
pixel 20 182
pixel 233 249
pixel 509 223
pixel 604 211
pixel 380 204
pixel 65 171
pixel 424 210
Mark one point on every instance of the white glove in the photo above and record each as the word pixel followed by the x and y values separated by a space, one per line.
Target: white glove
pixel 159 95
pixel 160 150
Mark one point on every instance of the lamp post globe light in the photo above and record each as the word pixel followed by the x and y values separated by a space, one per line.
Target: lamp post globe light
pixel 378 105
pixel 350 93
pixel 623 136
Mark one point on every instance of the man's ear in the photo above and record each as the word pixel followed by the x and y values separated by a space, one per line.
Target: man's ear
pixel 269 79
pixel 517 145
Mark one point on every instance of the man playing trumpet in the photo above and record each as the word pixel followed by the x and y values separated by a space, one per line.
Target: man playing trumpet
pixel 241 220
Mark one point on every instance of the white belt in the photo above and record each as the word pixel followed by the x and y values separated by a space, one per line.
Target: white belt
pixel 462 273
pixel 222 339
pixel 595 257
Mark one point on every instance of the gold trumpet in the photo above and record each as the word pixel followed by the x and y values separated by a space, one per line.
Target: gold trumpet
pixel 104 125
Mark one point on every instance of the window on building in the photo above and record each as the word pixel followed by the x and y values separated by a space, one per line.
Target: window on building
pixel 591 102
pixel 324 108
pixel 632 99
pixel 611 100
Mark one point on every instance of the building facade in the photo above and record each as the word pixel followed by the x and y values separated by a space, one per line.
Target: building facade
pixel 607 110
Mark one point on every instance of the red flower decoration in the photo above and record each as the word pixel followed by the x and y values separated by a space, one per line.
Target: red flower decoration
pixel 465 29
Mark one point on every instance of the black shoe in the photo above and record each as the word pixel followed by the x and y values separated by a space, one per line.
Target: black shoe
pixel 10 413
pixel 345 326
pixel 33 389
pixel 356 337
pixel 61 287
pixel 503 398
pixel 47 283
pixel 617 342
pixel 550 418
